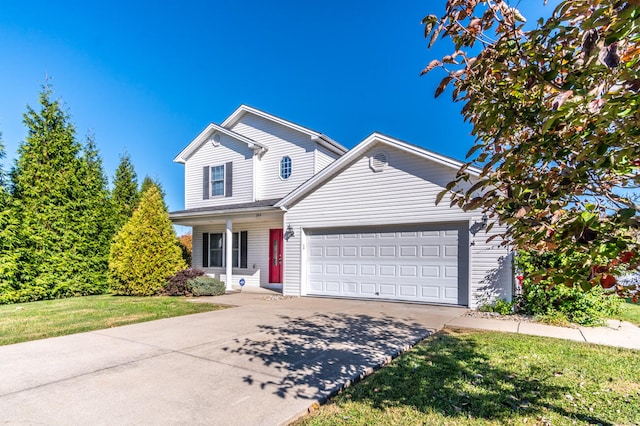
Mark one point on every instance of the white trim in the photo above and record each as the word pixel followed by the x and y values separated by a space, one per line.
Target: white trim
pixel 228 248
pixel 303 263
pixel 317 137
pixel 344 161
pixel 204 136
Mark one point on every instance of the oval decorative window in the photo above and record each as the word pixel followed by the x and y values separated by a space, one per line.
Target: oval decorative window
pixel 285 167
pixel 378 161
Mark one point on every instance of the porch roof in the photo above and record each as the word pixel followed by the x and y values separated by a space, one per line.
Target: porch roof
pixel 184 217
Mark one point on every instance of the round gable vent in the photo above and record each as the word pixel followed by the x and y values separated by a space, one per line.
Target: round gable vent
pixel 379 161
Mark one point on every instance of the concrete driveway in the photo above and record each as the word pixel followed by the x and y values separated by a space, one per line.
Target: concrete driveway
pixel 263 362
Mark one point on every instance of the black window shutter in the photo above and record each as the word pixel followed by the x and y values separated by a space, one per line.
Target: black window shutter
pixel 205 250
pixel 205 183
pixel 243 249
pixel 228 177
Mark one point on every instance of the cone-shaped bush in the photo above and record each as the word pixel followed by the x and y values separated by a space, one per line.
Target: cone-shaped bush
pixel 145 253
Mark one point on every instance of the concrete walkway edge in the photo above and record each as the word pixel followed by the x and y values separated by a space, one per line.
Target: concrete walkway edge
pixel 615 333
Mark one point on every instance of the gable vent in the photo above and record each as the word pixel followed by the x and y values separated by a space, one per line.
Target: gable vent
pixel 379 161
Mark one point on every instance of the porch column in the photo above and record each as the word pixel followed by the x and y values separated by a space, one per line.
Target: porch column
pixel 228 248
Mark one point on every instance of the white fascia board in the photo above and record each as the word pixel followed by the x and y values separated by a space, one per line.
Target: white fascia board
pixel 222 212
pixel 422 152
pixel 204 136
pixel 330 144
pixel 356 151
pixel 317 137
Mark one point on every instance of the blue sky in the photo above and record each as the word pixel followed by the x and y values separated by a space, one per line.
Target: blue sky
pixel 147 77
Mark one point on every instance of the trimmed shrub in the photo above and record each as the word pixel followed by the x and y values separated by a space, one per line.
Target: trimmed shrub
pixel 178 284
pixel 145 252
pixel 500 306
pixel 207 286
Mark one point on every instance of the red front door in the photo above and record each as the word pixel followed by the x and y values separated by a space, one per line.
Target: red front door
pixel 275 256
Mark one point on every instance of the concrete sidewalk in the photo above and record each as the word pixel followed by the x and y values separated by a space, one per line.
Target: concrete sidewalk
pixel 616 333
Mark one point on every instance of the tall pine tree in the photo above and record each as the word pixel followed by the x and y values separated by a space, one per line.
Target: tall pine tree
pixel 124 195
pixel 55 193
pixel 8 229
pixel 98 219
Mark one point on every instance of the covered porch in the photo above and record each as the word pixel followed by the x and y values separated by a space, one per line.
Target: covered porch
pixel 241 245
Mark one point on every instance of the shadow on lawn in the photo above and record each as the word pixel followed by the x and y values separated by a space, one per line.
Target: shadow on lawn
pixel 316 356
pixel 450 376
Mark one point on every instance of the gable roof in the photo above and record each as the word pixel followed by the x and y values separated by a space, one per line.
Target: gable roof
pixel 207 133
pixel 343 162
pixel 319 138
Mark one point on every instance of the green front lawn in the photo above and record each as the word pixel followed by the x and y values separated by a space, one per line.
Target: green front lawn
pixel 460 377
pixel 38 320
pixel 630 312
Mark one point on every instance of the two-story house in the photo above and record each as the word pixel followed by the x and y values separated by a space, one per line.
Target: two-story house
pixel 277 205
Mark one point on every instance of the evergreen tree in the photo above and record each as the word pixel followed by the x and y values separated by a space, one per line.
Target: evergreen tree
pixel 97 219
pixel 147 183
pixel 49 251
pixel 145 253
pixel 2 176
pixel 125 195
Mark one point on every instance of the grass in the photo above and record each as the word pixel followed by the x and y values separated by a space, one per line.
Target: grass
pixel 460 377
pixel 630 312
pixel 38 320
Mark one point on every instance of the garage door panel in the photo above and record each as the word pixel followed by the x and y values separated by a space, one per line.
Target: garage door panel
pixel 387 271
pixel 350 251
pixel 430 251
pixel 368 270
pixel 412 265
pixel 368 289
pixel 408 251
pixel 350 287
pixel 387 251
pixel 350 269
pixel 410 291
pixel 430 292
pixel 430 271
pixel 409 271
pixel 388 289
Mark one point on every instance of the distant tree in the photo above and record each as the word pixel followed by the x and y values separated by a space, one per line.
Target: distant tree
pixel 145 252
pixel 124 195
pixel 147 182
pixel 186 243
pixel 555 115
pixel 48 254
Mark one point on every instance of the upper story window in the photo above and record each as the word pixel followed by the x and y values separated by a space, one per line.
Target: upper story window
pixel 285 167
pixel 217 181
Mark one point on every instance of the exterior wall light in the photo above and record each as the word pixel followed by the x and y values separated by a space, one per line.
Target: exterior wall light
pixel 479 226
pixel 289 233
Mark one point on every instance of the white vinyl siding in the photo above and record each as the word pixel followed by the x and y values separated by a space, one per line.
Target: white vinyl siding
pixel 324 157
pixel 403 193
pixel 257 272
pixel 281 141
pixel 229 151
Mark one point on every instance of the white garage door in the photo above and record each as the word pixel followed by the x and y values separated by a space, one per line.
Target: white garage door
pixel 417 265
